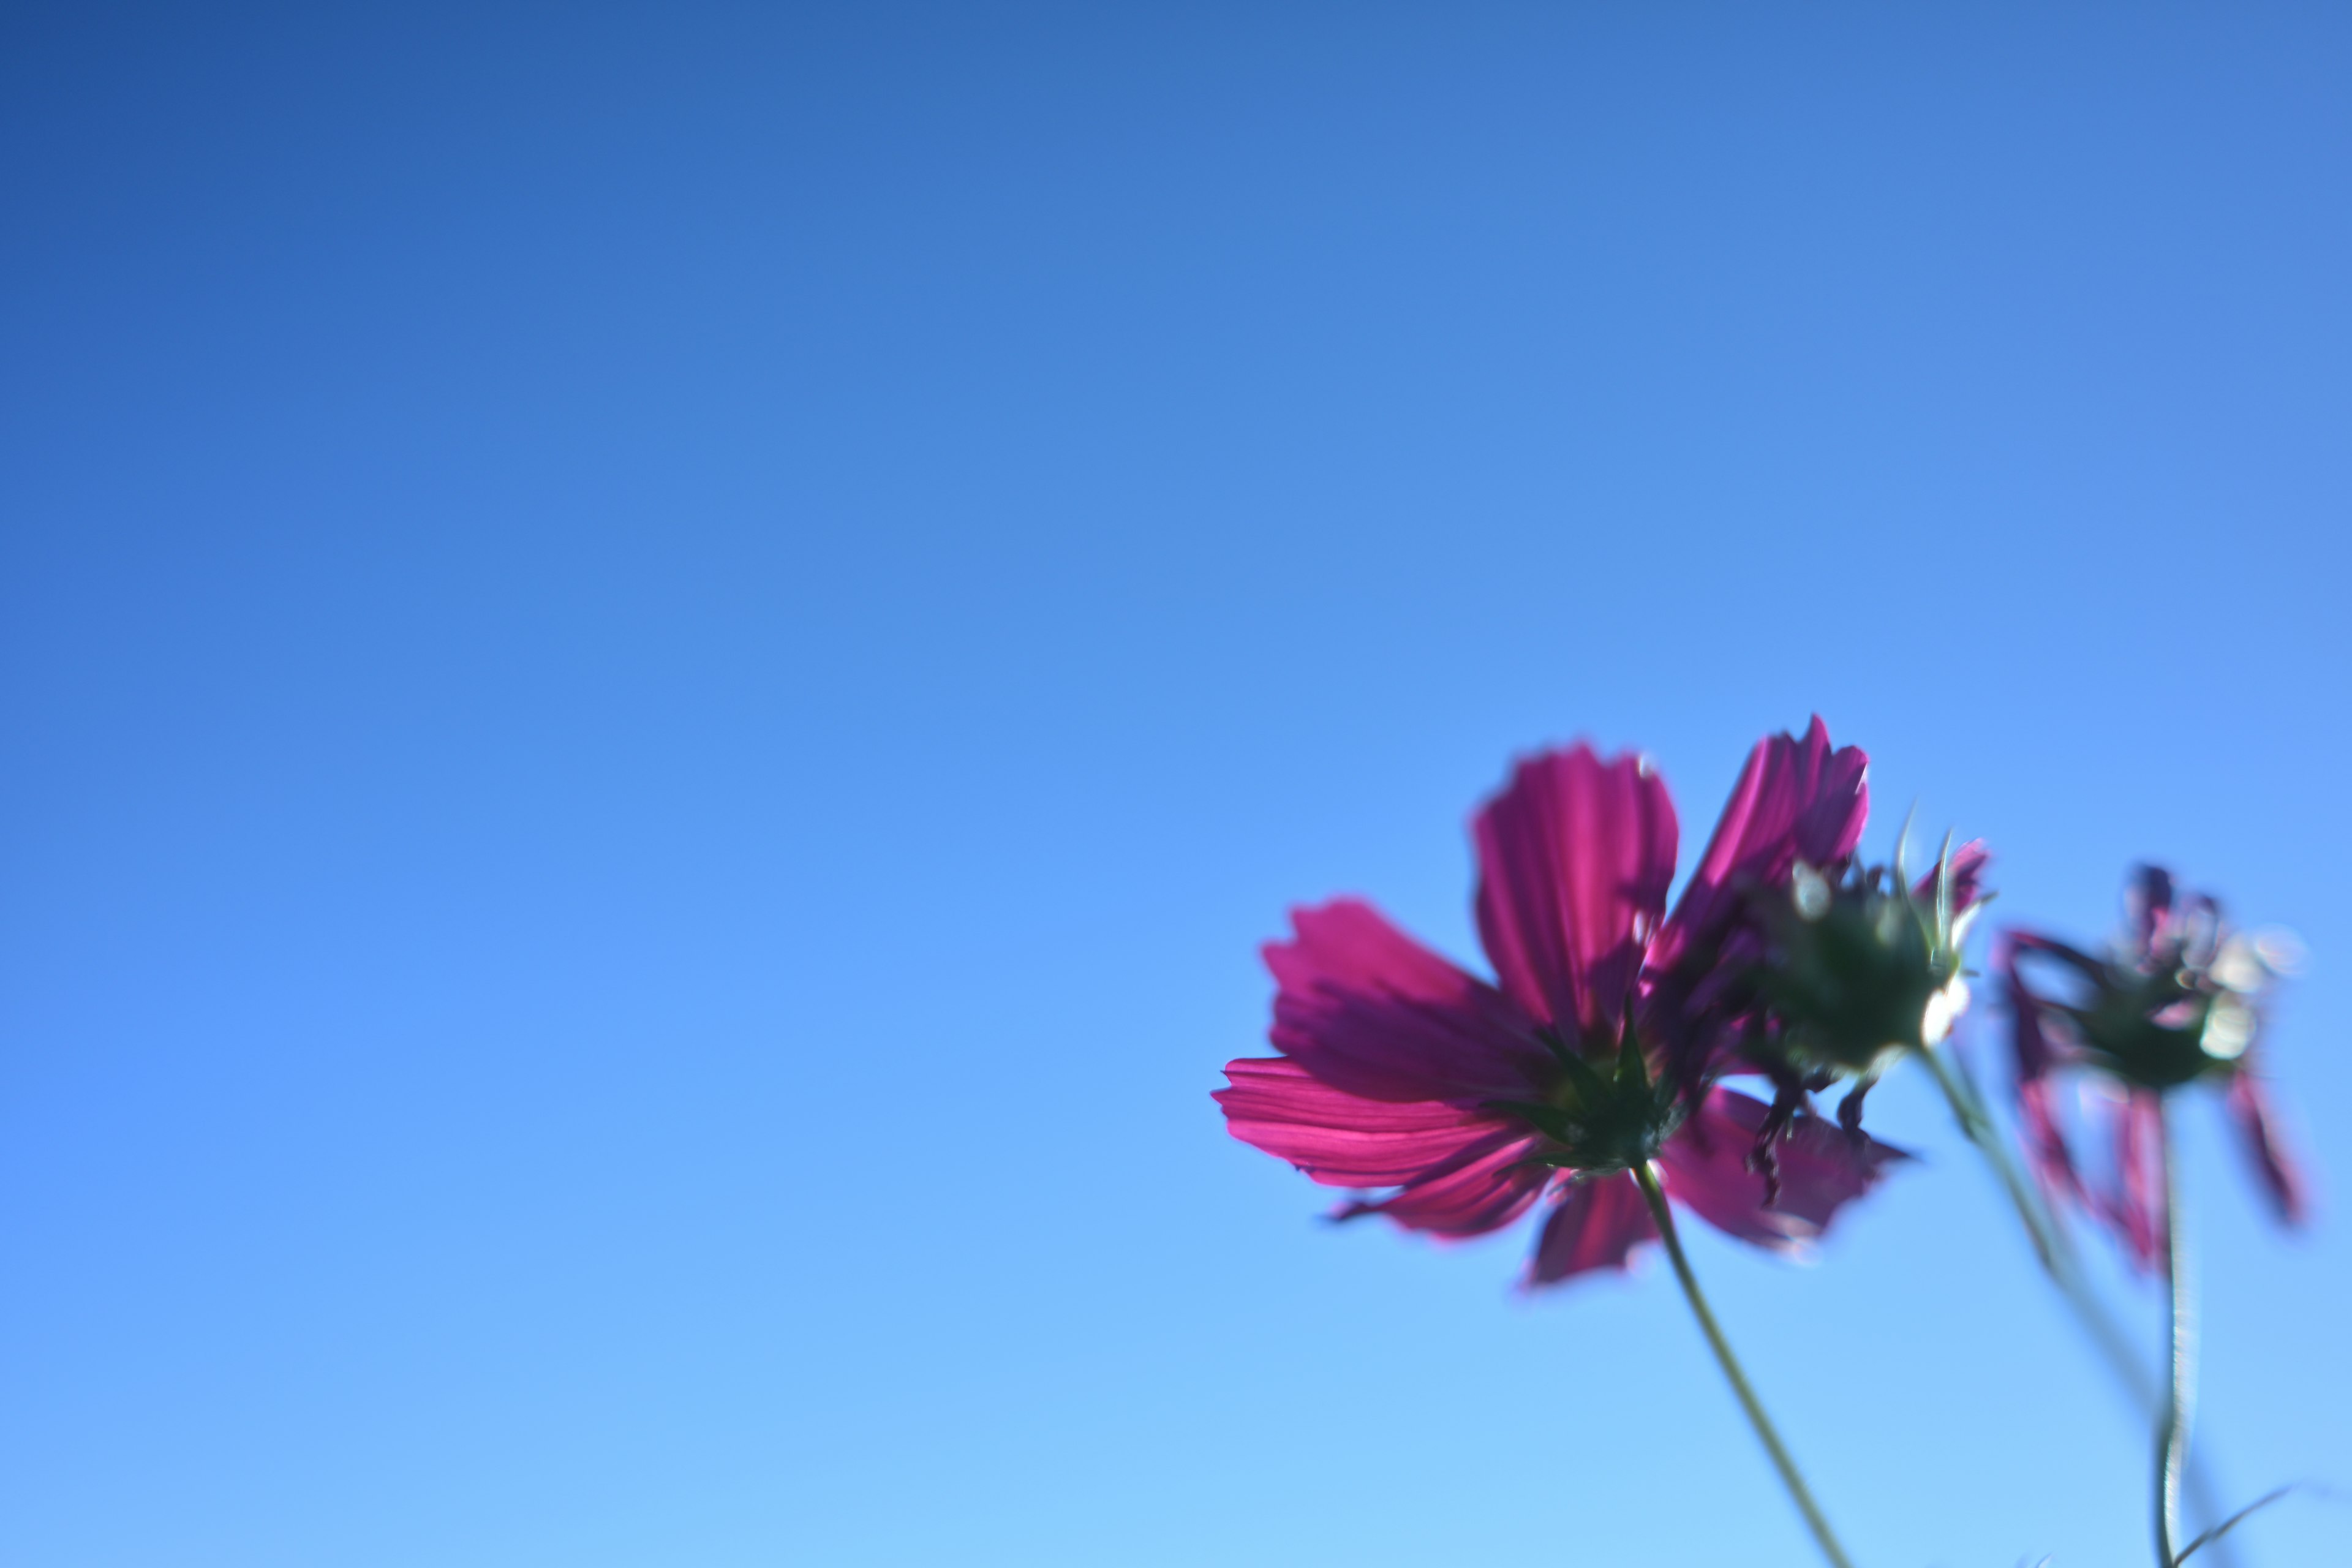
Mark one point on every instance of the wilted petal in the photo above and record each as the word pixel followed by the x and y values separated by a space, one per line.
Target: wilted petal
pixel 1795 799
pixel 2046 1154
pixel 2036 1052
pixel 2257 1127
pixel 2029 1045
pixel 1706 1168
pixel 2148 907
pixel 1369 1010
pixel 1595 1224
pixel 1574 859
pixel 2135 1206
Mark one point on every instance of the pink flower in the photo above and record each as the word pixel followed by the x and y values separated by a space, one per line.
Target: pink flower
pixel 1463 1104
pixel 2180 999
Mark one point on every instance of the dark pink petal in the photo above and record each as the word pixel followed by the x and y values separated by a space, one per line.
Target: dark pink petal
pixel 2046 1154
pixel 2148 907
pixel 1822 1169
pixel 1369 1010
pixel 1596 1223
pixel 1968 863
pixel 2281 1178
pixel 1574 859
pixel 1795 799
pixel 1706 1169
pixel 2028 1046
pixel 2136 1205
pixel 1487 1190
pixel 1344 1139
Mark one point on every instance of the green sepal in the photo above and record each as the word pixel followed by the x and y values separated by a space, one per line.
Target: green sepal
pixel 1551 1121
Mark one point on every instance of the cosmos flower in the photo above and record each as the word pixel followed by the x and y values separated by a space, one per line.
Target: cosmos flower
pixel 2178 999
pixel 1456 1106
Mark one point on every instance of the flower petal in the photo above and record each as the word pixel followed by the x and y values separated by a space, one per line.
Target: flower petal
pixel 1343 1140
pixel 1574 859
pixel 1794 799
pixel 2282 1177
pixel 2148 907
pixel 2136 1207
pixel 1595 1224
pixel 2046 1154
pixel 1459 1172
pixel 1821 1168
pixel 1491 1186
pixel 1370 1011
pixel 1968 863
pixel 2029 1045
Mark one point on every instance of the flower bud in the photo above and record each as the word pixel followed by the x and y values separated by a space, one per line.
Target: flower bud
pixel 1863 968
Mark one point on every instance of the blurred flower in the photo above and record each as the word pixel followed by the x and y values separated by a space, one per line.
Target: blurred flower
pixel 1471 1102
pixel 2178 999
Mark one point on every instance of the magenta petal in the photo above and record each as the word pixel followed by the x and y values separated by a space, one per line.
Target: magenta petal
pixel 1574 859
pixel 2135 1206
pixel 1344 1139
pixel 1596 1223
pixel 2029 1044
pixel 1794 799
pixel 1968 863
pixel 2281 1177
pixel 1369 1010
pixel 2147 906
pixel 1492 1186
pixel 1822 1170
pixel 2046 1154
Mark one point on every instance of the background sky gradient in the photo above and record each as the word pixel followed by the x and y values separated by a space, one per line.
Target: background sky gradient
pixel 662 666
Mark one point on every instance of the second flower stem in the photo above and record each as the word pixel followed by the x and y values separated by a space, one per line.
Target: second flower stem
pixel 2058 1259
pixel 1790 1478
pixel 2181 1353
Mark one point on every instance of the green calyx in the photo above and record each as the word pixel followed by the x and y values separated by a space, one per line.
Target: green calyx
pixel 1866 966
pixel 1606 1113
pixel 2164 1027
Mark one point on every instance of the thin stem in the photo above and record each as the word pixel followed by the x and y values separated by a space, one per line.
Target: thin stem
pixel 2180 1336
pixel 2058 1260
pixel 1789 1477
pixel 2048 1244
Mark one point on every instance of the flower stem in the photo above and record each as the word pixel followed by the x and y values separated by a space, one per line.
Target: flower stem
pixel 1789 1477
pixel 2048 1244
pixel 2180 1336
pixel 2058 1260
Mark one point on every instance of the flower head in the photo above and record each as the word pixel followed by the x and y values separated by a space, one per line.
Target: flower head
pixel 1455 1105
pixel 2178 998
pixel 1863 965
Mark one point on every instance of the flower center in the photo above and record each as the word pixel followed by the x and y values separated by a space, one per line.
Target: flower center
pixel 1605 1111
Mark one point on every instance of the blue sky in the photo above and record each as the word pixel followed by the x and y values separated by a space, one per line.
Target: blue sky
pixel 662 665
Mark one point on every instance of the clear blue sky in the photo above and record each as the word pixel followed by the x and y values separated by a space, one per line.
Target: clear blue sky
pixel 662 664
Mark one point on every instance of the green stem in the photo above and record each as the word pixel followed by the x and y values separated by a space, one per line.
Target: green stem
pixel 2048 1244
pixel 1789 1477
pixel 2058 1260
pixel 2180 1338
